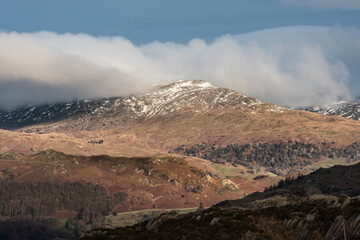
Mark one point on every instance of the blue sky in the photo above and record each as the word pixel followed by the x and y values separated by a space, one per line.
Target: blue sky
pixel 165 20
pixel 288 52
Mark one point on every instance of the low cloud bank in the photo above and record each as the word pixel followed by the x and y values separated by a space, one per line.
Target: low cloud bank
pixel 291 66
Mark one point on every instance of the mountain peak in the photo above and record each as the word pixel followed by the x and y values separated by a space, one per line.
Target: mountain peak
pixel 176 97
pixel 175 86
pixel 195 95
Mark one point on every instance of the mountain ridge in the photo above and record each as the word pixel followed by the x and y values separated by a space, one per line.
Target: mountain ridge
pixel 164 98
pixel 347 109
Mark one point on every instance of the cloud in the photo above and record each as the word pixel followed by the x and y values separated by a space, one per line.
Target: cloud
pixel 326 4
pixel 293 66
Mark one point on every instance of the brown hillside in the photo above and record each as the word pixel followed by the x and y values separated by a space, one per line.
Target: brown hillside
pixel 152 182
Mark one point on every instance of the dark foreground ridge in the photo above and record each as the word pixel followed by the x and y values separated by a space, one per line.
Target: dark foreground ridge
pixel 322 205
pixel 314 219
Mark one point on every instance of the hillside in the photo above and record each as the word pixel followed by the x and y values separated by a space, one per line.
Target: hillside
pixel 65 195
pixel 334 181
pixel 148 182
pixel 310 207
pixel 190 118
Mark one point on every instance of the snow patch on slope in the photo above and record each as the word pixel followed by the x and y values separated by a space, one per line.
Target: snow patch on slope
pixel 348 109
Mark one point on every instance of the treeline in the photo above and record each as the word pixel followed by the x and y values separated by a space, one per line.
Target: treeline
pixel 45 198
pixel 27 229
pixel 23 206
pixel 282 183
pixel 274 157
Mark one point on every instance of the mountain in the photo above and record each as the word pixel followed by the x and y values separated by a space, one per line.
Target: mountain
pixel 190 118
pixel 316 206
pixel 347 109
pixel 164 99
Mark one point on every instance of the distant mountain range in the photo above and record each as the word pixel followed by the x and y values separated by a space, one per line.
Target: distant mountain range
pixel 347 109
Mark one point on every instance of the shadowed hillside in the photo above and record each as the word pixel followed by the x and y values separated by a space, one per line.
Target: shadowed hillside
pixel 316 206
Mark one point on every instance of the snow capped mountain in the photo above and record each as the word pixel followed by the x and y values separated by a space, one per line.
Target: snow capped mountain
pixel 166 98
pixel 348 109
pixel 196 95
pixel 29 115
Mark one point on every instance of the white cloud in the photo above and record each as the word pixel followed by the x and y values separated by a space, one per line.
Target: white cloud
pixel 290 66
pixel 326 4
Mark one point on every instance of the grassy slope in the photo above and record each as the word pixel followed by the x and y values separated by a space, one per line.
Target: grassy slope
pixel 133 217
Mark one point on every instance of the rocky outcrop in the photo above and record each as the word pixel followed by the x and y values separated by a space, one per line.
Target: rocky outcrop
pixel 193 186
pixel 344 228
